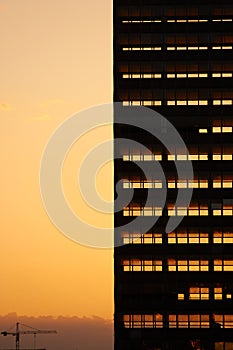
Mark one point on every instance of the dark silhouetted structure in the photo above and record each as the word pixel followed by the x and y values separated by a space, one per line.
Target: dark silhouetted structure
pixel 174 291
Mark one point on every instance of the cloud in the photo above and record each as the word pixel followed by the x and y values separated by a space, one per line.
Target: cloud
pixel 5 107
pixel 73 333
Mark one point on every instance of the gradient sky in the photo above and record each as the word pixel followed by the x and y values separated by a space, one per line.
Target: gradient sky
pixel 56 60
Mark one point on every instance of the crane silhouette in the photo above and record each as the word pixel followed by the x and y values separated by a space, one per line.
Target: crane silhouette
pixel 19 332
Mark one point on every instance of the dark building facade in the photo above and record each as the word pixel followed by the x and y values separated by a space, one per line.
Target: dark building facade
pixel 174 290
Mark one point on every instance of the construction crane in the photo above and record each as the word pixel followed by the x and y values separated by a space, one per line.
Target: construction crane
pixel 18 333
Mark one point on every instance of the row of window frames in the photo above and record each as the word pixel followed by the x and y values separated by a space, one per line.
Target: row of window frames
pixel 222 102
pixel 178 184
pixel 179 20
pixel 177 321
pixel 203 293
pixel 172 265
pixel 176 48
pixel 178 75
pixel 179 211
pixel 177 238
pixel 158 157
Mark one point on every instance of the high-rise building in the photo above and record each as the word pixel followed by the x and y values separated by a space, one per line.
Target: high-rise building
pixel 174 290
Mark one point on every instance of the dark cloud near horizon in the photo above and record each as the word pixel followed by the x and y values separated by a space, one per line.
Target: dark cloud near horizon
pixel 74 333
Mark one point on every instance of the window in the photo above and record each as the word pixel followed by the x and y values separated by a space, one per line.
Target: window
pixel 180 296
pixel 144 211
pixel 222 182
pixel 222 102
pixel 197 20
pixel 146 238
pixel 222 156
pixel 187 75
pixel 226 210
pixel 222 20
pixel 222 47
pixel 141 157
pixel 223 237
pixel 142 48
pixel 187 237
pixel 143 321
pixel 222 75
pixel 187 183
pixel 187 102
pixel 218 293
pixel 141 183
pixel 142 76
pixel 198 293
pixel 188 321
pixel 188 265
pixel 184 48
pixel 143 21
pixel 223 265
pixel 138 265
pixel 187 157
pixel 192 210
pixel 143 103
pixel 224 321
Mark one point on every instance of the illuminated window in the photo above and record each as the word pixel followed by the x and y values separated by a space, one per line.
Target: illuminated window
pixel 142 157
pixel 226 210
pixel 193 184
pixel 142 48
pixel 188 184
pixel 226 129
pixel 187 75
pixel 183 48
pixel 203 156
pixel 144 211
pixel 222 183
pixel 222 102
pixel 142 103
pixel 218 293
pixel 138 265
pixel 203 131
pixel 187 20
pixel 142 76
pixel 187 102
pixel 222 156
pixel 188 321
pixel 180 296
pixel 188 265
pixel 224 321
pixel 189 157
pixel 222 20
pixel 143 321
pixel 199 321
pixel 223 265
pixel 223 237
pixel 193 210
pixel 222 75
pixel 182 184
pixel 146 238
pixel 203 183
pixel 198 293
pixel 227 47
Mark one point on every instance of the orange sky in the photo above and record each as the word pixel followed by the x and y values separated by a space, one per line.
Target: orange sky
pixel 56 60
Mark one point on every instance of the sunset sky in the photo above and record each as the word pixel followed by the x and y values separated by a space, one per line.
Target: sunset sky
pixel 56 60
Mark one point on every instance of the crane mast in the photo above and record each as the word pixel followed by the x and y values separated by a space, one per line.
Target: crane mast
pixel 18 332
